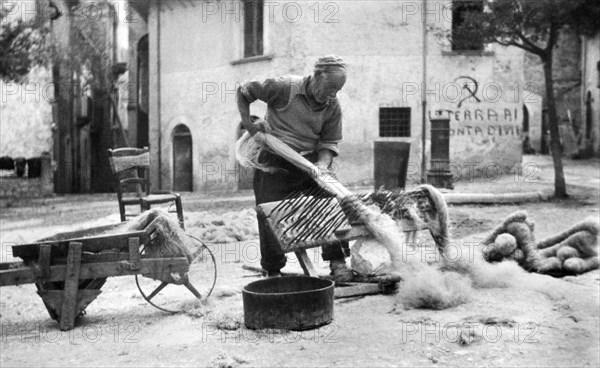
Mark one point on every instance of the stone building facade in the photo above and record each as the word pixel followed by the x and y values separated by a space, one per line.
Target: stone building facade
pixel 590 94
pixel 86 110
pixel 188 58
pixel 575 71
pixel 25 123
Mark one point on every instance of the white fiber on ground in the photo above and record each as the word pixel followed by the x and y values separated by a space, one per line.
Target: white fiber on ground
pixel 228 227
pixel 422 286
pixel 451 285
pixel 436 286
pixel 432 289
pixel 484 274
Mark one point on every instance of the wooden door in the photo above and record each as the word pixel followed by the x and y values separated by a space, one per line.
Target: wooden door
pixel 183 178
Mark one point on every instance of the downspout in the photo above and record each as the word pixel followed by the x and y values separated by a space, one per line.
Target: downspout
pixel 583 77
pixel 159 96
pixel 72 165
pixel 424 95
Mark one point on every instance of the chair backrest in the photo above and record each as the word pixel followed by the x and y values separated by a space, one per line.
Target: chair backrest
pixel 130 168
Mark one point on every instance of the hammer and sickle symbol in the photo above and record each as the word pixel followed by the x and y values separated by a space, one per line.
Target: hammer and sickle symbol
pixel 468 82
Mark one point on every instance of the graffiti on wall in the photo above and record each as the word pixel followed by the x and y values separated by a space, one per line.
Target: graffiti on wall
pixel 481 130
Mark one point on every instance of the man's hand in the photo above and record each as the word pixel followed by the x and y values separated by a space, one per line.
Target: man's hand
pixel 324 166
pixel 259 126
pixel 325 172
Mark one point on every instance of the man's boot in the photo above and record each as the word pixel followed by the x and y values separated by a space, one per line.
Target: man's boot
pixel 339 270
pixel 276 273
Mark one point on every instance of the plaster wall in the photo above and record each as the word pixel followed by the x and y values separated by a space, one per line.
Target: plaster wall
pixel 382 42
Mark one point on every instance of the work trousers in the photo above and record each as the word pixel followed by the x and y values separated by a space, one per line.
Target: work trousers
pixel 276 186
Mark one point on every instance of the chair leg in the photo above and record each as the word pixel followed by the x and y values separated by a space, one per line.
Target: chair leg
pixel 179 208
pixel 122 210
pixel 144 205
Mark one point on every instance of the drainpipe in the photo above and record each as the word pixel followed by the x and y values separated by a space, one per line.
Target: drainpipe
pixel 424 95
pixel 159 96
pixel 72 81
pixel 584 75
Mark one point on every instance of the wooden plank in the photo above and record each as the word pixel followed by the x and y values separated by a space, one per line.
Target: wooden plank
pixel 44 260
pixel 119 164
pixel 69 302
pixel 11 265
pixel 357 290
pixel 105 256
pixel 30 252
pixel 163 267
pixel 134 253
pixel 53 300
pixel 370 279
pixel 156 266
pixel 305 263
pixel 18 276
pixel 81 233
pixel 101 257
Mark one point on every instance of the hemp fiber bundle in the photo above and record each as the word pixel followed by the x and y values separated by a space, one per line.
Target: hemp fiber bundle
pixel 169 239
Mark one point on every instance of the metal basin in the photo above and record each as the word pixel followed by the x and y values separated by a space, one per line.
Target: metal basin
pixel 289 303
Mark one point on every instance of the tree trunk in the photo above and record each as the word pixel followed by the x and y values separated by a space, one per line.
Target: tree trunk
pixel 560 188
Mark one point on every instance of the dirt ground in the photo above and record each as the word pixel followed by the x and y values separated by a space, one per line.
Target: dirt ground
pixel 543 321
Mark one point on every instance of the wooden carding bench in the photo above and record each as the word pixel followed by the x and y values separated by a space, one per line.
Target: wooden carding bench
pixel 301 223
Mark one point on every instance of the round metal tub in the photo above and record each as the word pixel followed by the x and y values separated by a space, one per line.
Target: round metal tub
pixel 290 303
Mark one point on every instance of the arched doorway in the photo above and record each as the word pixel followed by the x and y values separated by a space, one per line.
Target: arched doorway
pixel 183 177
pixel 527 148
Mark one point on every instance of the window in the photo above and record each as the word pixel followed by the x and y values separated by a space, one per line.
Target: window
pixel 253 27
pixel 465 37
pixel 394 122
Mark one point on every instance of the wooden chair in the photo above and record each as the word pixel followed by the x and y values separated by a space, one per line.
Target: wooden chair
pixel 131 168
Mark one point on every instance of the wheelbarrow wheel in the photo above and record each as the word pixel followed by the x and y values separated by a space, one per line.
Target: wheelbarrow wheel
pixel 197 284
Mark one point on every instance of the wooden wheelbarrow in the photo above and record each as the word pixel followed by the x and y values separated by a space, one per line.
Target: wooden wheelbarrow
pixel 69 269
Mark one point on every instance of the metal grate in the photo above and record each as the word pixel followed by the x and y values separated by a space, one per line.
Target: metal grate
pixel 394 122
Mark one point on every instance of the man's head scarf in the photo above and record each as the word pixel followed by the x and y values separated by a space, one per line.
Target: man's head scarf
pixel 330 63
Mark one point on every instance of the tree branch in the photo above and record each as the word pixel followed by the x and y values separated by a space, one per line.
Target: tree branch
pixel 502 43
pixel 537 50
pixel 519 45
pixel 552 37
